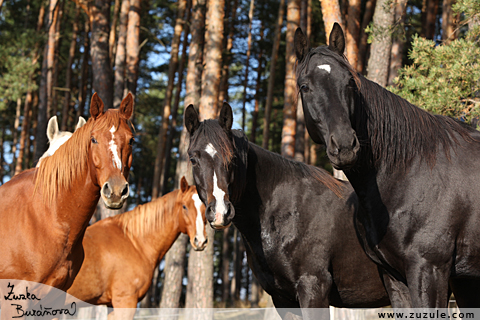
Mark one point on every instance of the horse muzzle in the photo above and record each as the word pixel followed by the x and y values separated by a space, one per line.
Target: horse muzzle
pixel 199 245
pixel 114 193
pixel 220 216
pixel 343 153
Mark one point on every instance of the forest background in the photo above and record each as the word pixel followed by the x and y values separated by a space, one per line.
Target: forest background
pixel 55 53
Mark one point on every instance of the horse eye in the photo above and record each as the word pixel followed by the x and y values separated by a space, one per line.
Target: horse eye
pixel 93 140
pixel 184 207
pixel 193 161
pixel 304 88
pixel 131 141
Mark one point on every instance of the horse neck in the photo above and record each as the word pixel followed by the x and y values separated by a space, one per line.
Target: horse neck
pixel 157 237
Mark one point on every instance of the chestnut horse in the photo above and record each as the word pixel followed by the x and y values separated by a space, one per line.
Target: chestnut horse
pixel 46 210
pixel 122 252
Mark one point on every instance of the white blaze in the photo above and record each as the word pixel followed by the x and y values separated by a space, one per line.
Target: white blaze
pixel 198 221
pixel 210 150
pixel 325 67
pixel 113 148
pixel 218 193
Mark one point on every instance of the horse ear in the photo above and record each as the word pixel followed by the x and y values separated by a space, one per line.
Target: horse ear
pixel 226 117
pixel 183 184
pixel 191 119
pixel 126 107
pixel 301 44
pixel 96 106
pixel 337 39
pixel 52 128
pixel 81 122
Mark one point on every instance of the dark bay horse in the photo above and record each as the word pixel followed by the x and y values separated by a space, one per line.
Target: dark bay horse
pixel 122 252
pixel 296 220
pixel 46 210
pixel 416 175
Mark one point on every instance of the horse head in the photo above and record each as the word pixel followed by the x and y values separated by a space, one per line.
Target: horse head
pixel 327 86
pixel 189 206
pixel 110 156
pixel 211 153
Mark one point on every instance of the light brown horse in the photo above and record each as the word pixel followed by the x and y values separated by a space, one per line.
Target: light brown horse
pixel 46 210
pixel 122 252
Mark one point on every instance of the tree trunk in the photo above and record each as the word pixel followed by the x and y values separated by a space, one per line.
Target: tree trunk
pixel 398 42
pixel 430 11
pixel 247 62
pixel 331 13
pixel 25 131
pixel 213 59
pixel 32 143
pixel 113 32
pixel 379 62
pixel 16 125
pixel 223 94
pixel 174 271
pixel 166 112
pixel 290 101
pixel 193 82
pixel 253 133
pixel 234 282
pixel 2 140
pixel 271 79
pixel 120 55
pixel 54 105
pixel 225 266
pixel 68 77
pixel 448 22
pixel 176 100
pixel 83 81
pixel 102 70
pixel 353 31
pixel 46 82
pixel 133 46
pixel 200 264
pixel 362 50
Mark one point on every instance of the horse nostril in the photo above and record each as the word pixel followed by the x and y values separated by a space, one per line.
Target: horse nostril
pixel 107 192
pixel 334 146
pixel 125 190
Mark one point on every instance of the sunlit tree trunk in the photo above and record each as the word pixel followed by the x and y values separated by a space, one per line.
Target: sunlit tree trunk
pixel 271 79
pixel 200 264
pixel 247 62
pixel 120 56
pixel 353 31
pixel 448 21
pixel 260 67
pixel 300 124
pixel 68 76
pixel 24 133
pixel 379 61
pixel 290 107
pixel 398 41
pixel 362 50
pixel 167 104
pixel 133 46
pixel 53 107
pixel 16 125
pixel 225 266
pixel 113 33
pixel 45 90
pixel 331 13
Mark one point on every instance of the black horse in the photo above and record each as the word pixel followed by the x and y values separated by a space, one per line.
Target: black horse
pixel 296 220
pixel 416 174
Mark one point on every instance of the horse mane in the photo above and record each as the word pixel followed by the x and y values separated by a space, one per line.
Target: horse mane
pixel 147 218
pixel 399 131
pixel 70 161
pixel 396 130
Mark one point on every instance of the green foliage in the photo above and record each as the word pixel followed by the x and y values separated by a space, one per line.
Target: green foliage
pixel 443 79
